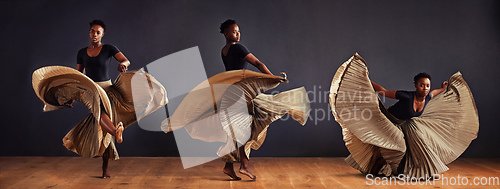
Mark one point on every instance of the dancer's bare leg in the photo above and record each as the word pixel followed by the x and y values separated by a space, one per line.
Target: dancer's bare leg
pixel 108 126
pixel 244 164
pixel 105 159
pixel 229 170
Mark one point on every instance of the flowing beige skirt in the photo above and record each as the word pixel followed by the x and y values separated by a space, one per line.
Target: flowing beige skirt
pixel 55 85
pixel 231 107
pixel 381 144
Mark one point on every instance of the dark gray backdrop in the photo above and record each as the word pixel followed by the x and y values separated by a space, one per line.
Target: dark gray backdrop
pixel 308 40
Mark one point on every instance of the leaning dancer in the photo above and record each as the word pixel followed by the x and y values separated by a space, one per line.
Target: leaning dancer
pixel 414 138
pixel 111 105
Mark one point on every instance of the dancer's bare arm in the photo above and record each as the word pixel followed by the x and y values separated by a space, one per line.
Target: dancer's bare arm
pixel 124 63
pixel 254 61
pixel 435 92
pixel 383 92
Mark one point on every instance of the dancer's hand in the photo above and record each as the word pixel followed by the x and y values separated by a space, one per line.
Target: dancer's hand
pixel 122 67
pixel 284 74
pixel 444 84
pixel 69 103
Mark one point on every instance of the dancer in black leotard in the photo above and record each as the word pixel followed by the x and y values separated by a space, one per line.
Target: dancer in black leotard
pixel 231 107
pixel 411 103
pixel 414 138
pixel 235 57
pixel 93 61
pixel 111 104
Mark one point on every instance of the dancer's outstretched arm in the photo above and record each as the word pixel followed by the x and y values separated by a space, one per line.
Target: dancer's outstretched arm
pixel 384 92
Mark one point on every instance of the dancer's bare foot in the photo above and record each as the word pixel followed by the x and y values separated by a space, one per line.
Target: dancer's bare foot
pixel 248 173
pixel 105 175
pixel 231 173
pixel 119 132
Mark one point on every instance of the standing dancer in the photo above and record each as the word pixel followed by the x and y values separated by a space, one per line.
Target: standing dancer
pixel 235 57
pixel 231 107
pixel 414 138
pixel 111 105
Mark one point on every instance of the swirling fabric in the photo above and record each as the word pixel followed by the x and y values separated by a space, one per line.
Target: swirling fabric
pixel 379 143
pixel 231 107
pixel 131 91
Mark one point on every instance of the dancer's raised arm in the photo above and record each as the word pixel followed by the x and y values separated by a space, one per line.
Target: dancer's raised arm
pixel 435 92
pixel 384 92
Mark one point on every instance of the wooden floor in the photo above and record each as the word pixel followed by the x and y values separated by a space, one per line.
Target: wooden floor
pixel 167 172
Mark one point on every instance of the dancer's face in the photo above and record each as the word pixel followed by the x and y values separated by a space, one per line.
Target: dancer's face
pixel 96 33
pixel 232 33
pixel 423 86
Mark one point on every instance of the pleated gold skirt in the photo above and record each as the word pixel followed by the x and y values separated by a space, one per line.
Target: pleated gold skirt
pixel 231 107
pixel 381 144
pixel 55 85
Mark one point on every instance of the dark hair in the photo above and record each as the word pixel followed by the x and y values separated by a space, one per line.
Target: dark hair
pixel 226 24
pixel 98 22
pixel 421 75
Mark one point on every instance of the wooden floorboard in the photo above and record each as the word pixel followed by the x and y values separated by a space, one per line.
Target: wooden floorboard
pixel 168 172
